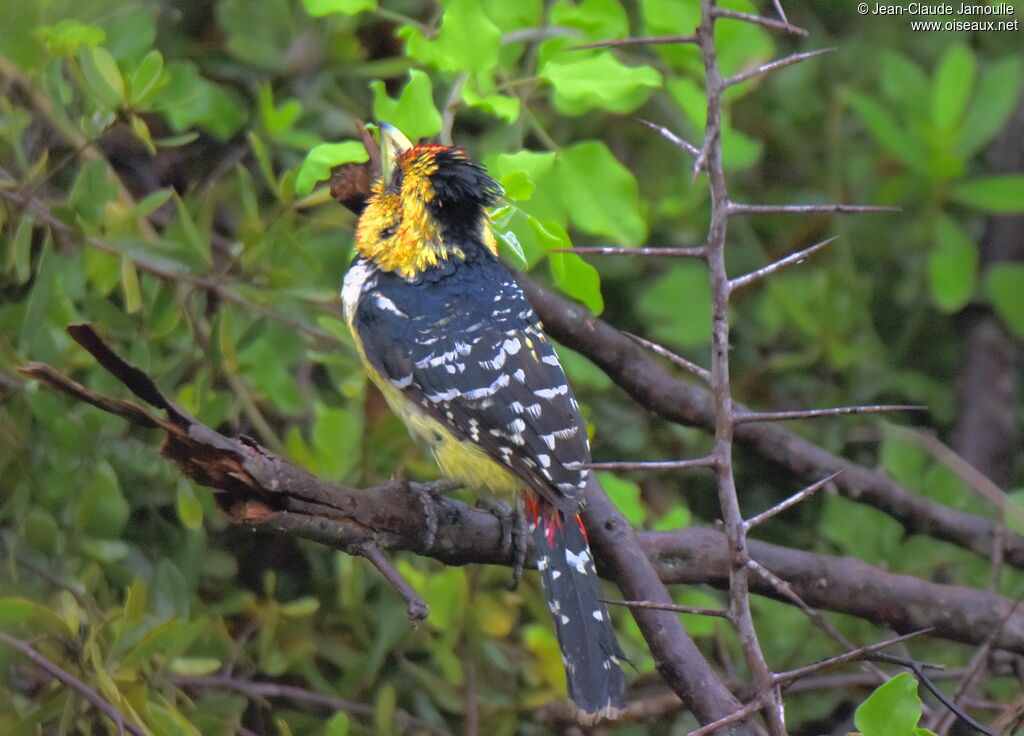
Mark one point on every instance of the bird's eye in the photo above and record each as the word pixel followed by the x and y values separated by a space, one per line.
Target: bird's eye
pixel 388 231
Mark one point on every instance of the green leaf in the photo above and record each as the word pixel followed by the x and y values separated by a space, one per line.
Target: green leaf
pixel 677 517
pixel 600 19
pixel 319 162
pixel 337 726
pixel 68 36
pixel 997 195
pixel 952 266
pixel 148 78
pixel 902 144
pixel 91 192
pixel 19 258
pixel 500 106
pixel 893 709
pixel 188 99
pixel 320 8
pixel 600 194
pixel 906 85
pixel 414 112
pixel 952 88
pixel 572 274
pixel 103 77
pixel 598 81
pixel 301 607
pixel 194 666
pixel 130 286
pixel 467 40
pixel 1006 289
pixel 190 510
pixel 518 185
pixel 191 236
pixel 23 612
pixel 102 508
pixel 626 497
pixel 677 307
pixel 998 91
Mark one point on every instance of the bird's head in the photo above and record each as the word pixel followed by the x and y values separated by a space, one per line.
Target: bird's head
pixel 427 207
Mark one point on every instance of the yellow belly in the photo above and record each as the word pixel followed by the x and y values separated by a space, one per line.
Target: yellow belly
pixel 459 460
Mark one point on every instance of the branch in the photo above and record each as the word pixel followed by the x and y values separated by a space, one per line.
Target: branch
pixel 773 65
pixel 902 603
pixel 58 673
pixel 259 489
pixel 678 401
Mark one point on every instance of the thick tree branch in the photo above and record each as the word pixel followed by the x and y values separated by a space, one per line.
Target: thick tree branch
pixel 678 401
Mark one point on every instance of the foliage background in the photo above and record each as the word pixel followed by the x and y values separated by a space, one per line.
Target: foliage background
pixel 164 141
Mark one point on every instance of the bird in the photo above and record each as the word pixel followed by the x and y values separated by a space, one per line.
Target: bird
pixel 448 337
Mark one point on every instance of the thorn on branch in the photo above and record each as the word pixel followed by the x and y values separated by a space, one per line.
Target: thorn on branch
pixel 791 501
pixel 760 20
pixel 785 678
pixel 798 257
pixel 781 416
pixel 702 373
pixel 716 612
pixel 737 208
pixel 708 461
pixel 697 252
pixel 773 65
pixel 671 137
pixel 635 41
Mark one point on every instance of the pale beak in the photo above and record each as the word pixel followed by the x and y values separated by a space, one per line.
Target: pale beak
pixel 393 144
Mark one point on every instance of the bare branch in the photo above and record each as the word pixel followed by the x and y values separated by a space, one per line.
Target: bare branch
pixel 747 417
pixel 784 678
pixel 760 20
pixel 672 137
pixel 740 281
pixel 778 9
pixel 792 500
pixel 716 612
pixel 746 711
pixel 736 208
pixel 61 675
pixel 676 400
pixel 696 252
pixel 699 371
pixel 255 690
pixel 773 65
pixel 636 41
pixel 700 462
pixel 416 607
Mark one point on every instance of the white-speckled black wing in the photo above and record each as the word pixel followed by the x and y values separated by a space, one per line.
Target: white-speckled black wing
pixel 467 348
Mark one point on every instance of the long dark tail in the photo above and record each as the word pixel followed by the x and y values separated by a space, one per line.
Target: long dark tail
pixel 590 650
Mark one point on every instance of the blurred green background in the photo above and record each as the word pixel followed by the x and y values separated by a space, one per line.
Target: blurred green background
pixel 159 145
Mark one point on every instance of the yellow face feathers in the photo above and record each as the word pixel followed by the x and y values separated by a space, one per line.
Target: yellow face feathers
pixel 428 207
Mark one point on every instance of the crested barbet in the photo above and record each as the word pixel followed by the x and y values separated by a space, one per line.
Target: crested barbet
pixel 448 337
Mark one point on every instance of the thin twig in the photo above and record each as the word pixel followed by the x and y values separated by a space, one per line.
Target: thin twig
pixel 699 371
pixel 944 699
pixel 700 462
pixel 696 252
pixel 716 612
pixel 255 690
pixel 670 136
pixel 737 208
pixel 635 41
pixel 778 9
pixel 760 20
pixel 416 607
pixel 773 65
pixel 783 678
pixel 747 710
pixel 975 668
pixel 740 281
pixel 781 416
pixel 59 673
pixel 791 501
